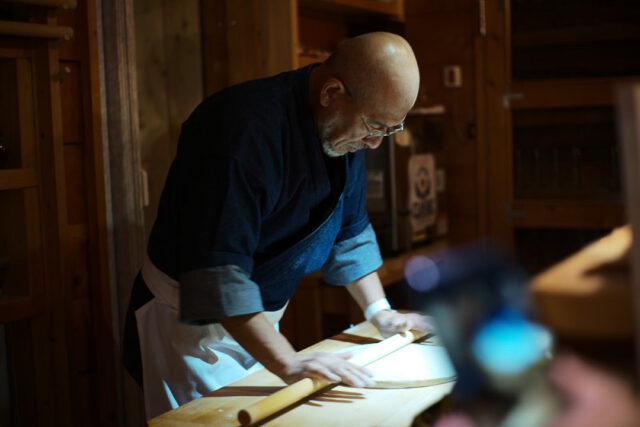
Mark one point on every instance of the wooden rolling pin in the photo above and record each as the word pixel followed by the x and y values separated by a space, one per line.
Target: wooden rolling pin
pixel 296 391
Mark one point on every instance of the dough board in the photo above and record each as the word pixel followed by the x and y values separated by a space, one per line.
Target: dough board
pixel 415 365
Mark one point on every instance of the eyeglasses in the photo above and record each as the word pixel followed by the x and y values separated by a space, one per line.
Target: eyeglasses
pixel 379 129
pixel 376 129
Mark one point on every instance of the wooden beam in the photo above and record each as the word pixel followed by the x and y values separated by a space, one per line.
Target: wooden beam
pixel 393 8
pixel 12 179
pixel 125 218
pixel 27 29
pixel 63 4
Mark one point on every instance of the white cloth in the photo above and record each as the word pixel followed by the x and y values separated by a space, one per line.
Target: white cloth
pixel 182 362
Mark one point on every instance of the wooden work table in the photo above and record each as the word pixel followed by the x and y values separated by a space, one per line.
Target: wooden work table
pixel 335 406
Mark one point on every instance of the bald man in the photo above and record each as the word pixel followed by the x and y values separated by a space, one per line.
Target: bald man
pixel 268 184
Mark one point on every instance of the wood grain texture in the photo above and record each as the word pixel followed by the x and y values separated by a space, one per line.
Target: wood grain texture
pixel 24 29
pixel 339 405
pixel 125 215
pixel 441 35
pixel 170 84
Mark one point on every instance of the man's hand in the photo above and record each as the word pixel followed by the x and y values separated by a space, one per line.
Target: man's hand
pixel 333 367
pixel 256 335
pixel 390 322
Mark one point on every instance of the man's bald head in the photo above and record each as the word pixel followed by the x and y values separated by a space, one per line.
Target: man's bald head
pixel 379 69
pixel 363 92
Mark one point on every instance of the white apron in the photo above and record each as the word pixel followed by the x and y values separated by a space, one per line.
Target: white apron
pixel 182 362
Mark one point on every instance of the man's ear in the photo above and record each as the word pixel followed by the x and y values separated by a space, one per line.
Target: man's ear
pixel 331 89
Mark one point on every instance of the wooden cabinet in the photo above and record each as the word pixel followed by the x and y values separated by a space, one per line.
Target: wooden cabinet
pixel 56 349
pixel 23 314
pixel 553 159
pixel 529 138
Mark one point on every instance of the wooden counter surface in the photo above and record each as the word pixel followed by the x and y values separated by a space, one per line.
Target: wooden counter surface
pixel 588 295
pixel 336 406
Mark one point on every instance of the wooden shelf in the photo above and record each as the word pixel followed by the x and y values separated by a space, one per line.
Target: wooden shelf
pixel 575 35
pixel 14 308
pixel 391 8
pixel 561 93
pixel 14 179
pixel 567 214
pixel 433 110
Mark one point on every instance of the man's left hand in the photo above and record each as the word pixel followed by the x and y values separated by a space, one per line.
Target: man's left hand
pixel 391 322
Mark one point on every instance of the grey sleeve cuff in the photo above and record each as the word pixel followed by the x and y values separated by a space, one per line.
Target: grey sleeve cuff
pixel 353 258
pixel 210 294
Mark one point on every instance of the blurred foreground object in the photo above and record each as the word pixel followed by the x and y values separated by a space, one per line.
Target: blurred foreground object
pixel 594 398
pixel 588 295
pixel 480 306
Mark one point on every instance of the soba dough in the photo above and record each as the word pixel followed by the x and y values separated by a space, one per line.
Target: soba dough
pixel 415 365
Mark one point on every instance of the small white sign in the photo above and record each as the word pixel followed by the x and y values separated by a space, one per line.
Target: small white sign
pixel 422 191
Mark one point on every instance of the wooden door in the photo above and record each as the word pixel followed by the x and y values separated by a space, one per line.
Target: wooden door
pixel 553 162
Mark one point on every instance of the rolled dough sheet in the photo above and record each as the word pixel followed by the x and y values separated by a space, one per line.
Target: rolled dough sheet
pixel 415 365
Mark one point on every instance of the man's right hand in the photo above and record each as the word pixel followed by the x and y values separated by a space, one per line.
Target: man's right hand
pixel 329 366
pixel 269 347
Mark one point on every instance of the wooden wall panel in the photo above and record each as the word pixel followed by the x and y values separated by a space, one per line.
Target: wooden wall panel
pixel 215 50
pixel 71 49
pixel 153 98
pixel 170 84
pixel 84 409
pixel 79 262
pixel 320 30
pixel 443 33
pixel 71 99
pixel 417 7
pixel 247 39
pixel 123 210
pixel 279 42
pixel 76 184
pixel 82 344
pixel 87 296
pixel 183 46
pixel 442 38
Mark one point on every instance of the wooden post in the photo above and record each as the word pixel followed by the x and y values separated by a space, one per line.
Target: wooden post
pixel 123 171
pixel 628 117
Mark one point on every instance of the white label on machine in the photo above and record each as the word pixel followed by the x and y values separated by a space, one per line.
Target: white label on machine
pixel 422 191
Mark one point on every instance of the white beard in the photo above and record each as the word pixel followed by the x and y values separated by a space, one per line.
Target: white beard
pixel 324 136
pixel 326 147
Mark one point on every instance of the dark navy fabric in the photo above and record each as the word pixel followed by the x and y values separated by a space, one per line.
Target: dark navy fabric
pixel 279 276
pixel 251 187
